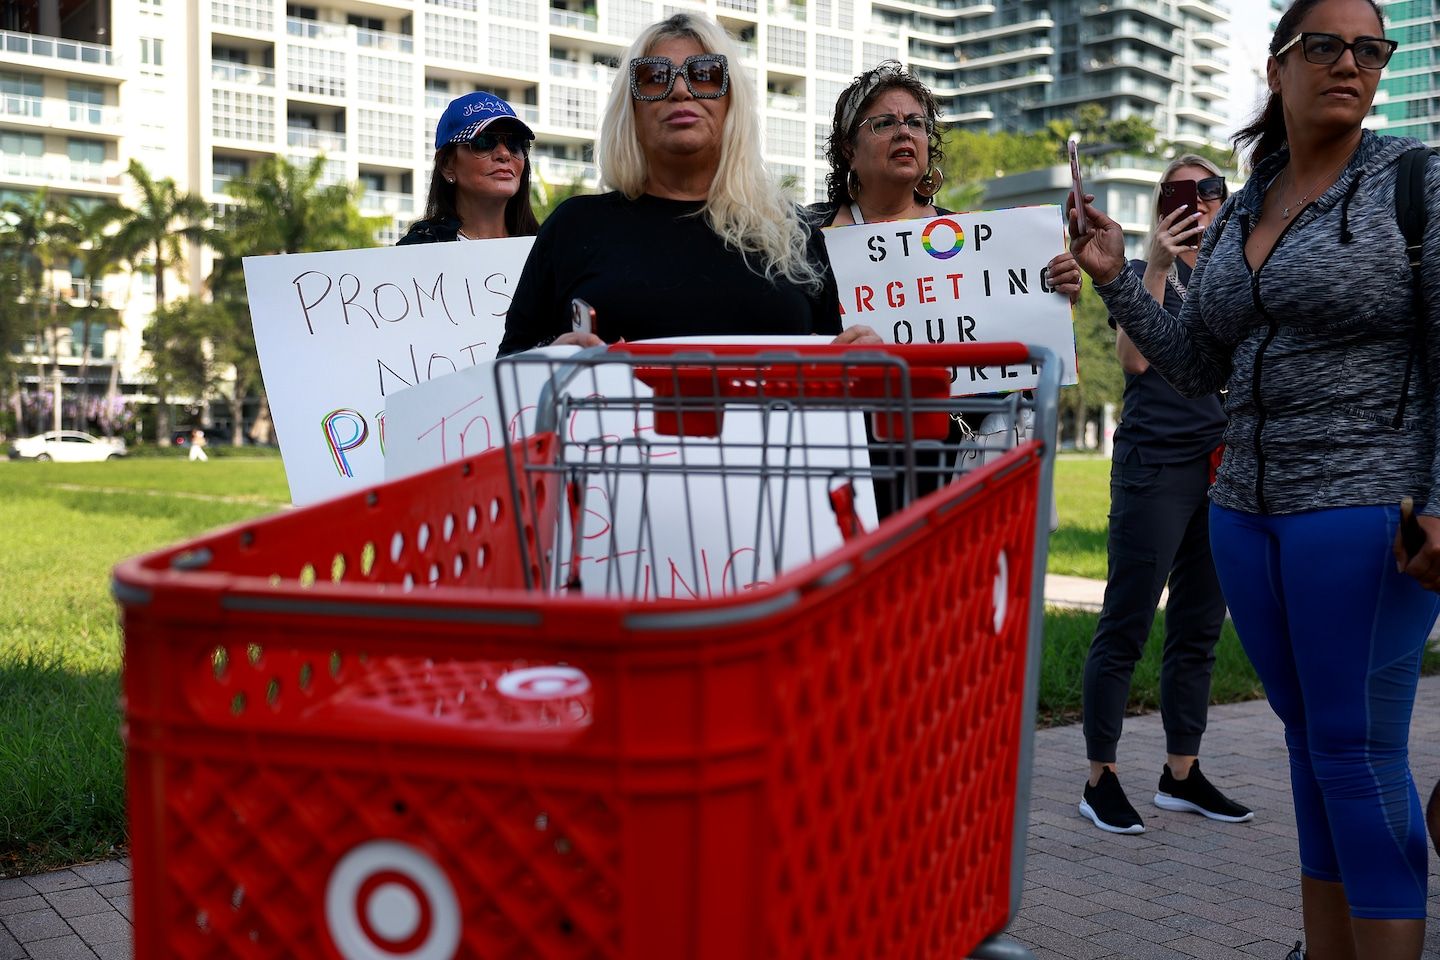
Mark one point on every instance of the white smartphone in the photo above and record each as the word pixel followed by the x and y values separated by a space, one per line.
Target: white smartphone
pixel 1077 187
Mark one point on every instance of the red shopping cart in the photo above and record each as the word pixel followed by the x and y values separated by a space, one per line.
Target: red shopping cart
pixel 472 713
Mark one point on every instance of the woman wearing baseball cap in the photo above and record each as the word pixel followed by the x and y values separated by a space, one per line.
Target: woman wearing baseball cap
pixel 480 186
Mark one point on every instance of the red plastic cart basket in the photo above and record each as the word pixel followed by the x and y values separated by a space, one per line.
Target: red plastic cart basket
pixel 351 733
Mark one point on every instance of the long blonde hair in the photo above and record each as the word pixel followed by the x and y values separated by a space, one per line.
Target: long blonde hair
pixel 1188 160
pixel 745 207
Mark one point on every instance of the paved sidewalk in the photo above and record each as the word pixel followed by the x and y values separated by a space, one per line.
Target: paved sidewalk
pixel 1185 889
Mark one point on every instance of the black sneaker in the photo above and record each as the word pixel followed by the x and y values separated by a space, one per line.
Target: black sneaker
pixel 1297 953
pixel 1106 806
pixel 1195 794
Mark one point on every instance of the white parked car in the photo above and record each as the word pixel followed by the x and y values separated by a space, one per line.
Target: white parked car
pixel 69 446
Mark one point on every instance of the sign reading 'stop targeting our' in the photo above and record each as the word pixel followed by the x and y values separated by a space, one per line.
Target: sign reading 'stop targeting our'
pixel 960 278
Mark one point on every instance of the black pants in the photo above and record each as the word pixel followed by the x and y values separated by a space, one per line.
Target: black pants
pixel 1159 530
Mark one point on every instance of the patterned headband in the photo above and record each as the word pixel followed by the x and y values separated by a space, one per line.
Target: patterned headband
pixel 865 85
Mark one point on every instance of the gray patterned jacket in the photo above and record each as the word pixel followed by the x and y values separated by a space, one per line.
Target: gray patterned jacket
pixel 1312 346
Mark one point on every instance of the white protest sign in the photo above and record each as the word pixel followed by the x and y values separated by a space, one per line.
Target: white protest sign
pixel 689 528
pixel 960 278
pixel 339 332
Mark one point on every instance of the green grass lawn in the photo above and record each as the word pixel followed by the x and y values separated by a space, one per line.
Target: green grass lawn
pixel 68 524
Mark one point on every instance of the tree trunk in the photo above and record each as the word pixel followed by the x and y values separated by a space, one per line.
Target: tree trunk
pixel 262 431
pixel 159 278
pixel 84 399
pixel 162 419
pixel 237 417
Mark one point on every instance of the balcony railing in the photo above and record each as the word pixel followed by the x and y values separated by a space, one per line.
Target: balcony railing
pixel 596 73
pixel 384 201
pixel 571 20
pixel 326 141
pixel 384 40
pixel 437 101
pixel 60 112
pixel 556 170
pixel 528 112
pixel 222 71
pixel 785 101
pixel 19 105
pixel 314 29
pixel 53 48
pixel 744 6
pixel 59 168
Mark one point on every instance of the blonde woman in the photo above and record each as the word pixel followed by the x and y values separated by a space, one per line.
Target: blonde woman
pixel 696 238
pixel 1159 532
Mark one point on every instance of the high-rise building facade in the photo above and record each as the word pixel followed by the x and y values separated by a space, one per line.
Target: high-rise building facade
pixel 1017 65
pixel 1407 103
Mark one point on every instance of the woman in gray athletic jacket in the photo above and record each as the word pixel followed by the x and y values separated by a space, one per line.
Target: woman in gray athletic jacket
pixel 1302 304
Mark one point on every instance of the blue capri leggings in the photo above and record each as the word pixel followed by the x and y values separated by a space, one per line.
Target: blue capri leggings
pixel 1336 635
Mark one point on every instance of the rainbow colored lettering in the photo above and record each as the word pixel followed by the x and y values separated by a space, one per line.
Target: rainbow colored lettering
pixel 345 430
pixel 955 248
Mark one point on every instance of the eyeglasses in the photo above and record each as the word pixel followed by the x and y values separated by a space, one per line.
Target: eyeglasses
pixel 707 76
pixel 1212 188
pixel 886 124
pixel 483 144
pixel 1371 53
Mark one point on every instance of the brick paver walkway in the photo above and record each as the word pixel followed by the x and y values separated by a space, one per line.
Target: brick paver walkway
pixel 1183 890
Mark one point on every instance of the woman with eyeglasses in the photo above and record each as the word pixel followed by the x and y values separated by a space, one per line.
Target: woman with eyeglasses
pixel 1159 532
pixel 885 159
pixel 480 184
pixel 696 238
pixel 1303 303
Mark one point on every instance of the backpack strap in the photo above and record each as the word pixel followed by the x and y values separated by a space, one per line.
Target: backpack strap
pixel 1413 215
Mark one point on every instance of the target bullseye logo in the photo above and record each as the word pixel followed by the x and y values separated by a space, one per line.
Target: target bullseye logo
pixel 387 900
pixel 543 683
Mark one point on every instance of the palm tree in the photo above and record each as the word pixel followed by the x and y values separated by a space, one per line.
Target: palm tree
pixel 38 235
pixel 102 256
pixel 281 207
pixel 161 224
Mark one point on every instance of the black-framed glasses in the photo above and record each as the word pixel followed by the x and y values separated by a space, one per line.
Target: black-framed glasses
pixel 1212 188
pixel 886 124
pixel 1371 53
pixel 484 144
pixel 707 76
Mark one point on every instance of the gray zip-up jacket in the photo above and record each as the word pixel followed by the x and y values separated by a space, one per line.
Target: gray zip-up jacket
pixel 1312 345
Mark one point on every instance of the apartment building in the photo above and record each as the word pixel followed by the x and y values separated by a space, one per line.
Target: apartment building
pixel 1408 101
pixel 1017 65
pixel 203 90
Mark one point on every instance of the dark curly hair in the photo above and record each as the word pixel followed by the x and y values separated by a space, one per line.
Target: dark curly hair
pixel 850 109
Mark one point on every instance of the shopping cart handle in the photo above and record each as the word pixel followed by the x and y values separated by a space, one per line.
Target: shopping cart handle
pixel 914 354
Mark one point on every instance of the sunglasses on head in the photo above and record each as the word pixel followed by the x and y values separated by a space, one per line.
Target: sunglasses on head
pixel 707 76
pixel 483 144
pixel 1371 53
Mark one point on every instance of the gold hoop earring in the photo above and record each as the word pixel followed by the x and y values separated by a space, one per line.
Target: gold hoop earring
pixel 930 184
pixel 852 185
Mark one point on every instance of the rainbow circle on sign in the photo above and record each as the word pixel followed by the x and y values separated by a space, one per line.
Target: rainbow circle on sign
pixel 936 249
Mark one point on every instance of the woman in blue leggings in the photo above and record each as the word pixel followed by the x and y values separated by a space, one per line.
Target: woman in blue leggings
pixel 1306 304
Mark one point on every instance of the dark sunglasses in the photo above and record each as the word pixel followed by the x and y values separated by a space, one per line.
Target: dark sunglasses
pixel 483 144
pixel 1212 188
pixel 707 76
pixel 1371 53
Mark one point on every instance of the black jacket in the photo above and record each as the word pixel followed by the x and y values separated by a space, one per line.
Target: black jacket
pixel 439 230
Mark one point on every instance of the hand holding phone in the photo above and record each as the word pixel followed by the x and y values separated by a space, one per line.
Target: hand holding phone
pixel 1176 194
pixel 582 317
pixel 1077 188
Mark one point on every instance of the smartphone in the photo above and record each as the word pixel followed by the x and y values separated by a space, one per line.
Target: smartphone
pixel 1077 188
pixel 1412 536
pixel 582 316
pixel 1173 196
